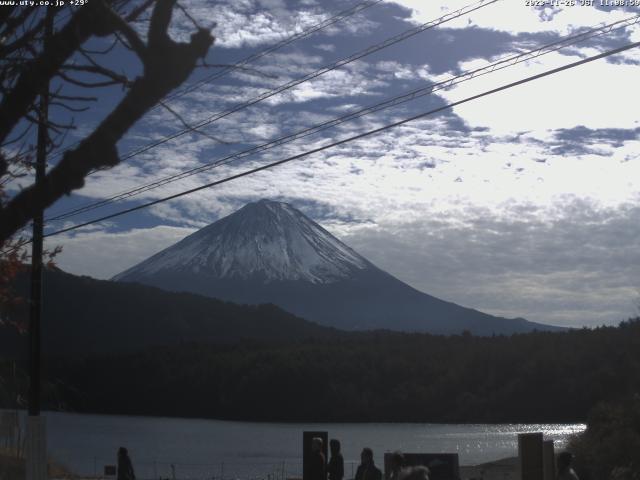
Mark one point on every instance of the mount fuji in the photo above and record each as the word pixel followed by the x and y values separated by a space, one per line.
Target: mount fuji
pixel 270 252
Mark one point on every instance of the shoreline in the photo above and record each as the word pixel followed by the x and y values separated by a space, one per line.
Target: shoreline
pixel 305 422
pixel 85 443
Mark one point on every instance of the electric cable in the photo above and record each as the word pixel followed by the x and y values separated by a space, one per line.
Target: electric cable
pixel 321 71
pixel 392 102
pixel 350 139
pixel 235 66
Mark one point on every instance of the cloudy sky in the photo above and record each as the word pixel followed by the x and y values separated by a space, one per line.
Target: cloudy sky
pixel 524 203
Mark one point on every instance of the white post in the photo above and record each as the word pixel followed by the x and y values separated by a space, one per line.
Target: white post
pixel 36 454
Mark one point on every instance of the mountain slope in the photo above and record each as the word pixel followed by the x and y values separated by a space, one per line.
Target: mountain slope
pixel 268 241
pixel 270 252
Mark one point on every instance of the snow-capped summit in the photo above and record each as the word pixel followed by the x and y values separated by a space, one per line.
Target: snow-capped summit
pixel 269 252
pixel 264 240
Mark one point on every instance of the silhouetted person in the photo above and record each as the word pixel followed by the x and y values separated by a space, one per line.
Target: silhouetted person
pixel 395 465
pixel 565 472
pixel 419 472
pixel 125 467
pixel 317 465
pixel 336 463
pixel 367 470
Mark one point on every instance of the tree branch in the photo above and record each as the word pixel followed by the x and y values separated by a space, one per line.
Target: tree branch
pixel 98 70
pixel 85 51
pixel 10 24
pixel 134 14
pixel 68 108
pixel 87 21
pixel 73 98
pixel 191 128
pixel 119 25
pixel 22 41
pixel 167 64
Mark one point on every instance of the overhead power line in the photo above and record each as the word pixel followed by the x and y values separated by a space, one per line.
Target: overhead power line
pixel 327 68
pixel 338 17
pixel 352 138
pixel 321 71
pixel 283 43
pixel 388 103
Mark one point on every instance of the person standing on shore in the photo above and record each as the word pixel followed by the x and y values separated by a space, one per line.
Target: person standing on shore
pixel 367 469
pixel 396 464
pixel 125 467
pixel 418 472
pixel 336 463
pixel 565 472
pixel 318 467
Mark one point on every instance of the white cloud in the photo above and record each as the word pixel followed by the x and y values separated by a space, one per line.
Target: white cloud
pixel 417 195
pixel 101 254
pixel 512 16
pixel 596 95
pixel 246 23
pixel 249 23
pixel 327 47
pixel 515 263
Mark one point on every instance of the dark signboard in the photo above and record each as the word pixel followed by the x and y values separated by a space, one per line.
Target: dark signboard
pixel 531 456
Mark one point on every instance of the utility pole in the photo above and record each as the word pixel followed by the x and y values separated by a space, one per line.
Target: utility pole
pixel 36 466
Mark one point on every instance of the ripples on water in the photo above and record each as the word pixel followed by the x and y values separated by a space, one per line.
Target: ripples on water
pixel 219 449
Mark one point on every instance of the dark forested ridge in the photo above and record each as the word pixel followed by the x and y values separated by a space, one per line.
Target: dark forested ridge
pixel 138 350
pixel 82 315
pixel 378 376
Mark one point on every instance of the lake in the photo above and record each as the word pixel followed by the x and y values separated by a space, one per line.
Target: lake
pixel 215 449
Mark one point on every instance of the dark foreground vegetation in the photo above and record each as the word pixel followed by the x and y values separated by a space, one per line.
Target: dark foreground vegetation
pixel 379 376
pixel 610 447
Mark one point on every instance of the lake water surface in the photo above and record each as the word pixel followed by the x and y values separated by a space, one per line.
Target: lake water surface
pixel 226 450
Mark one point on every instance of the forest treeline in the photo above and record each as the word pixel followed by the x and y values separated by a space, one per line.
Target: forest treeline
pixel 374 376
pixel 82 316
